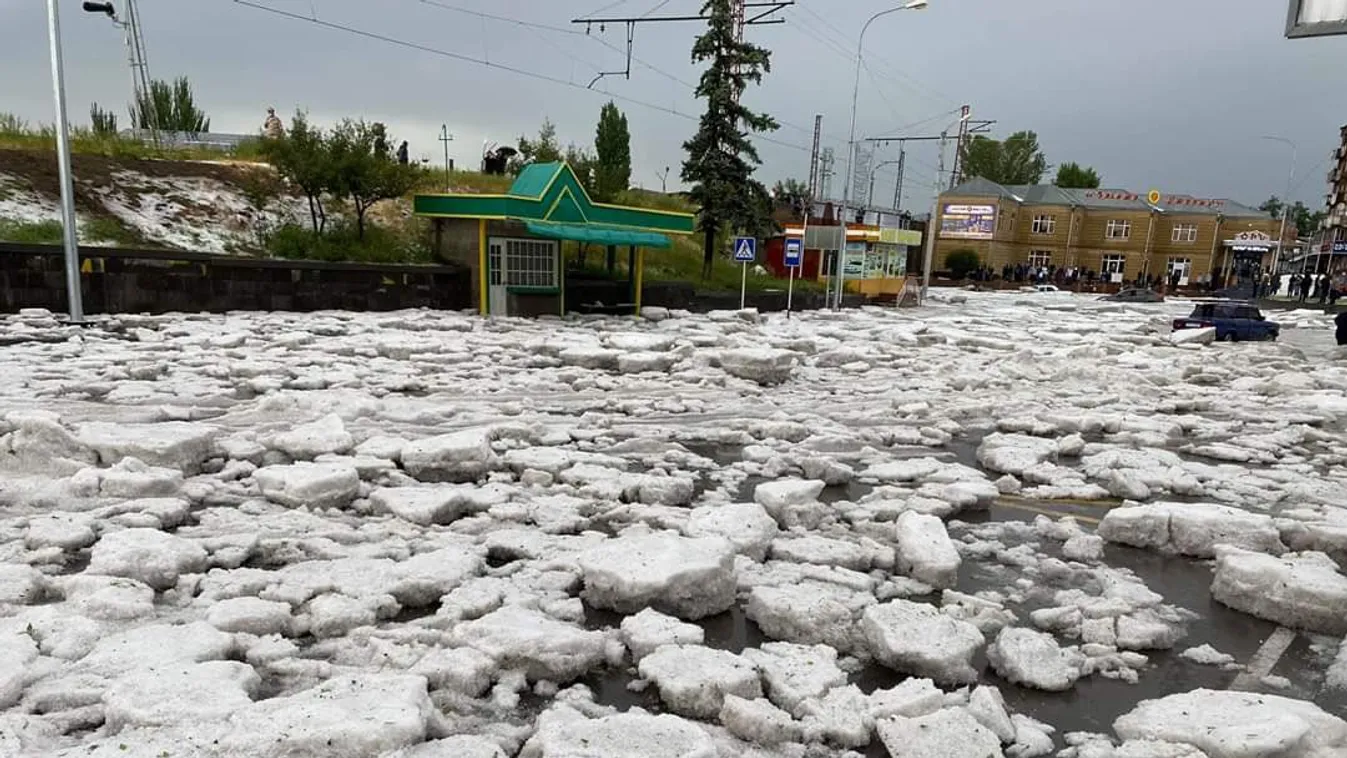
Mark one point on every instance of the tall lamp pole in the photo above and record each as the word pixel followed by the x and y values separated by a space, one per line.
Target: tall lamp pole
pixel 68 230
pixel 1286 204
pixel 851 140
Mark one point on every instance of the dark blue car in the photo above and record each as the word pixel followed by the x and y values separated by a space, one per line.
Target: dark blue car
pixel 1234 322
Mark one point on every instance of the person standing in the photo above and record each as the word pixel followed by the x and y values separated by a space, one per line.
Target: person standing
pixel 402 153
pixel 272 128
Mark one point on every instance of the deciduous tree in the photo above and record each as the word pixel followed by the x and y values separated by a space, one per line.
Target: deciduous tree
pixel 1075 176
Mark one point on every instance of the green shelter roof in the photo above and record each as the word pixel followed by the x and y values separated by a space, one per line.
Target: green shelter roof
pixel 597 234
pixel 551 193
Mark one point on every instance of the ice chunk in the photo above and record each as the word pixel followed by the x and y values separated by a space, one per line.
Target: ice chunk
pixel 747 525
pixel 763 365
pixel 758 721
pixel 1015 453
pixel 308 441
pixel 1034 659
pixel 1204 336
pixel 1336 677
pixel 67 531
pixel 421 505
pixel 950 733
pixel 174 444
pixel 462 669
pixel 108 598
pixel 1032 738
pixel 911 697
pixel 1190 528
pixel 918 639
pixel 684 576
pixel 1231 724
pixel 650 629
pixel 147 555
pixel 544 647
pixel 564 733
pixel 131 478
pixel 1299 590
pixel 822 551
pixel 309 485
pixel 182 693
pixel 158 645
pixel 925 551
pixel 333 614
pixel 694 680
pixel 351 715
pixel 252 615
pixel 1086 548
pixel 16 652
pixel 989 708
pixel 808 613
pixel 791 502
pixel 795 673
pixel 1207 656
pixel 1146 629
pixel 20 584
pixel 840 717
pixel 458 746
pixel 459 457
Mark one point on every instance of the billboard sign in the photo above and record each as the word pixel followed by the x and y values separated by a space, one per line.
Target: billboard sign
pixel 968 221
pixel 1316 18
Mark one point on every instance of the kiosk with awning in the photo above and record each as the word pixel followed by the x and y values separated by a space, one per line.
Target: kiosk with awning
pixel 513 242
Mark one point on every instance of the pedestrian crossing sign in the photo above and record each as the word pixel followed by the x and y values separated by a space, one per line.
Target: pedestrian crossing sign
pixel 745 249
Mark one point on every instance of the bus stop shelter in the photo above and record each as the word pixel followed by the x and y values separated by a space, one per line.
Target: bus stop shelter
pixel 513 242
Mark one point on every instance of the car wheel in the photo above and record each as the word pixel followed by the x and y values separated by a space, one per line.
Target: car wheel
pixel 1227 337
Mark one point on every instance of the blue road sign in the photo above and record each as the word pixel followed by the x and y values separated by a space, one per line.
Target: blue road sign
pixel 794 252
pixel 745 249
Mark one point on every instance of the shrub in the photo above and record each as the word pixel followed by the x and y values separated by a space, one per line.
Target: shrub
pixel 31 232
pixel 342 242
pixel 962 262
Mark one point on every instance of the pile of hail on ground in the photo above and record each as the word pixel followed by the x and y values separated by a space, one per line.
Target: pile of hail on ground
pixel 1018 525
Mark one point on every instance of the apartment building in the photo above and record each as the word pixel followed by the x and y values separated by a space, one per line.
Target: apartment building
pixel 1116 233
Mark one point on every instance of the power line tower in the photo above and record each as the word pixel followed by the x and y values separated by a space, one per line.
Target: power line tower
pixel 826 160
pixel 137 57
pixel 814 158
pixel 967 128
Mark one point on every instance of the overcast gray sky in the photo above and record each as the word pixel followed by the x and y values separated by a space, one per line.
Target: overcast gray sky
pixel 1171 94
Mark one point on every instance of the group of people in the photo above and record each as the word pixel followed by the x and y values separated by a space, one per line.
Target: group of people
pixel 1026 273
pixel 1307 287
pixel 272 128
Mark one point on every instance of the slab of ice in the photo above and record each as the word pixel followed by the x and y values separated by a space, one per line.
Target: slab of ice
pixel 747 525
pixel 1193 336
pixel 694 680
pixel 156 645
pixel 183 693
pixel 1191 528
pixel 349 715
pixel 1336 677
pixel 925 551
pixel 689 577
pixel 174 444
pixel 458 457
pixel 252 615
pixel 763 365
pixel 911 697
pixel 918 639
pixel 758 721
pixel 108 598
pixel 1231 724
pixel 949 733
pixel 564 733
pixel 20 584
pixel 147 555
pixel 1299 590
pixel 421 505
pixel 462 669
pixel 795 673
pixel 1034 659
pixel 16 652
pixel 457 746
pixel 67 531
pixel 989 708
pixel 132 478
pixel 822 551
pixel 1207 656
pixel 309 485
pixel 521 638
pixel 792 502
pixel 840 717
pixel 308 441
pixel 1015 453
pixel 808 613
pixel 648 630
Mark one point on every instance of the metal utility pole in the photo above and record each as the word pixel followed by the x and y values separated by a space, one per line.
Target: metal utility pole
pixel 931 225
pixel 960 146
pixel 814 157
pixel 446 138
pixel 137 58
pixel 68 229
pixel 898 185
pixel 1286 201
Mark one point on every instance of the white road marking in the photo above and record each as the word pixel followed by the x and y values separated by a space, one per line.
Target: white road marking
pixel 1263 661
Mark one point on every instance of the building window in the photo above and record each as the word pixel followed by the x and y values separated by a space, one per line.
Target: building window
pixel 1184 233
pixel 1118 230
pixel 524 263
pixel 1040 258
pixel 1045 224
pixel 1113 264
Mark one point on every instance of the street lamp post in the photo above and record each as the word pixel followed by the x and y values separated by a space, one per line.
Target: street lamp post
pixel 851 140
pixel 1286 203
pixel 68 230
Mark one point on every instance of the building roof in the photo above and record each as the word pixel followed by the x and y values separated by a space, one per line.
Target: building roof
pixel 1105 199
pixel 551 193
